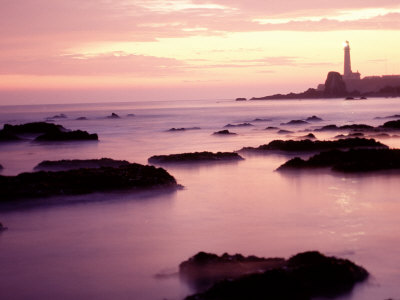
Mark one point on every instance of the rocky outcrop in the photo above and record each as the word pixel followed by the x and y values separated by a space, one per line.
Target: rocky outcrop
pixel 113 116
pixel 302 277
pixel 224 132
pixel 76 135
pixel 83 181
pixel 314 119
pixel 309 146
pixel 295 122
pixel 183 129
pixel 334 86
pixel 354 160
pixel 70 164
pixel 240 99
pixel 391 125
pixel 238 125
pixel 195 157
pixel 35 128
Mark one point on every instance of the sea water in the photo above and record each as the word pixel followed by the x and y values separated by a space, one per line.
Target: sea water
pixel 125 245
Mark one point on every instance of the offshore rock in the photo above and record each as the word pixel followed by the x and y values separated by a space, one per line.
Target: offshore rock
pixel 76 135
pixel 314 119
pixel 308 145
pixel 354 160
pixel 83 181
pixel 334 86
pixel 67 164
pixel 295 122
pixel 238 125
pixel 195 157
pixel 224 132
pixel 302 277
pixel 34 127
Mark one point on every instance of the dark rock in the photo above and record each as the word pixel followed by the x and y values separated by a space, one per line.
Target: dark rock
pixel 238 125
pixel 352 127
pixel 354 160
pixel 331 127
pixel 391 125
pixel 314 119
pixel 60 116
pixel 81 119
pixel 205 269
pixel 335 86
pixel 35 127
pixel 58 165
pixel 307 145
pixel 1 167
pixel 113 116
pixel 83 181
pixel 241 99
pixel 224 132
pixel 8 137
pixel 308 94
pixel 309 136
pixel 304 276
pixel 350 135
pixel 76 135
pixel 195 157
pixel 2 227
pixel 183 129
pixel 349 98
pixel 283 131
pixel 261 120
pixel 388 117
pixel 271 128
pixel 295 122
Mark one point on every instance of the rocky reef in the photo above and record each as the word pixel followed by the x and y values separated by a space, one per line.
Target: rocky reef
pixel 238 125
pixel 353 160
pixel 295 122
pixel 69 164
pixel 113 116
pixel 302 277
pixel 308 145
pixel 83 181
pixel 195 157
pixel 183 129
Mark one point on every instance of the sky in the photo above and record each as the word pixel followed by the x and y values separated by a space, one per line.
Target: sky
pixel 61 51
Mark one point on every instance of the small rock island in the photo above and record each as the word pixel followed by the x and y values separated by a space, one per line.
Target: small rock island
pixel 193 157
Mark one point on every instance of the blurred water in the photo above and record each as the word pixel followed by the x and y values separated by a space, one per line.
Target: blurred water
pixel 112 245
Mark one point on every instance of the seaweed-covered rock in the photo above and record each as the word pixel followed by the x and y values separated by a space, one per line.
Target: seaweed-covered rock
pixel 354 160
pixel 295 122
pixel 34 127
pixel 76 135
pixel 308 145
pixel 83 181
pixel 238 125
pixel 302 277
pixel 67 164
pixel 195 157
pixel 224 132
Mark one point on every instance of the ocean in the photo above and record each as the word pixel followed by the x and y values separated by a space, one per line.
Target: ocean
pixel 125 245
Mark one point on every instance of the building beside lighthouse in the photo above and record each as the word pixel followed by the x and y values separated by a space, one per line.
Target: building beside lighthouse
pixel 369 84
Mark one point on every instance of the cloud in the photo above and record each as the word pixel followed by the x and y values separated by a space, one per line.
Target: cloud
pixel 115 63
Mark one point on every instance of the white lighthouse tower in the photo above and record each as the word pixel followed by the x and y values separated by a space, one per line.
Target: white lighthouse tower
pixel 348 74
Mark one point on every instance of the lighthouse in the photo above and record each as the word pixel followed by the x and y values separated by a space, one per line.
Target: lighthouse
pixel 348 74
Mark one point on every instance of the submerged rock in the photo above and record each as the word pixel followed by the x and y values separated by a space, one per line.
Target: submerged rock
pixel 308 145
pixel 83 181
pixel 309 136
pixel 352 127
pixel 271 128
pixel 240 99
pixel 67 164
pixel 238 125
pixel 8 137
pixel 60 116
pixel 183 129
pixel 113 116
pixel 195 157
pixel 76 135
pixel 81 119
pixel 295 122
pixel 1 167
pixel 261 120
pixel 224 132
pixel 354 160
pixel 283 131
pixel 302 277
pixel 130 115
pixel 314 119
pixel 2 227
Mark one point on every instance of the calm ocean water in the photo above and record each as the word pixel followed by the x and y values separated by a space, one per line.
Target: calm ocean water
pixel 129 246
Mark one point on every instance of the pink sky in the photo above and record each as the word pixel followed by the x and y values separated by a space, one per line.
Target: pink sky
pixel 57 51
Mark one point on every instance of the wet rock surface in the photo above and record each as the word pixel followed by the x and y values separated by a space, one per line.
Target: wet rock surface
pixel 308 145
pixel 83 181
pixel 195 157
pixel 76 135
pixel 354 160
pixel 69 164
pixel 302 277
